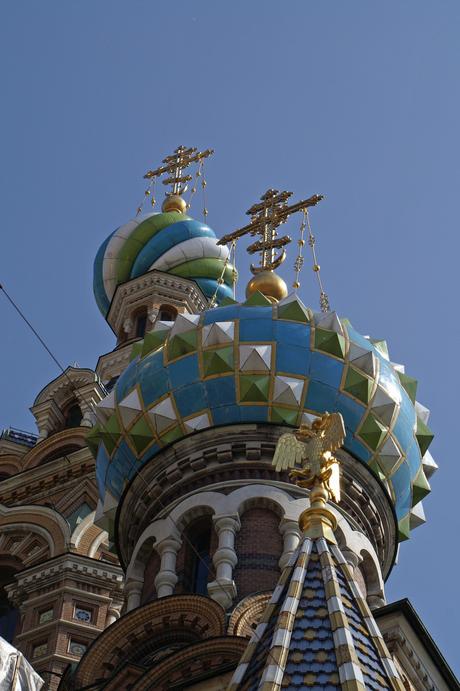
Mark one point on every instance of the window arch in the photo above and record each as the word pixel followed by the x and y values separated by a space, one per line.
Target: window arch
pixel 196 569
pixel 167 313
pixel 73 416
pixel 140 322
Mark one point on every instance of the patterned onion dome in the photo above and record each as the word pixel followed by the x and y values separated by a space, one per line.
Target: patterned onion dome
pixel 171 242
pixel 256 362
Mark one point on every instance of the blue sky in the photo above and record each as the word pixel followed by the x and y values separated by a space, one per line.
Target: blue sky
pixel 359 101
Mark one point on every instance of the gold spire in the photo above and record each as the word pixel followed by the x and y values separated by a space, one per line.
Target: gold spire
pixel 312 447
pixel 266 216
pixel 174 167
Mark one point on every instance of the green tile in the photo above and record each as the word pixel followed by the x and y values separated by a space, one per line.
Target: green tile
pixel 93 438
pixel 409 384
pixel 153 341
pixel 358 385
pixel 135 350
pixel 330 342
pixel 172 435
pixel 257 299
pixel 141 435
pixel 294 311
pixel 218 361
pixel 372 432
pixel 254 388
pixel 182 344
pixel 284 415
pixel 424 436
pixel 404 528
pixel 420 487
pixel 374 466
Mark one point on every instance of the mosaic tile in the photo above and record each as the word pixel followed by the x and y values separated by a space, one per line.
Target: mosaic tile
pixel 141 435
pixel 191 398
pixel 184 371
pixel 218 361
pixel 330 342
pixel 372 431
pixel 253 388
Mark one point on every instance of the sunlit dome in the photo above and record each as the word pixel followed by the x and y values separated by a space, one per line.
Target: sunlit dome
pixel 264 363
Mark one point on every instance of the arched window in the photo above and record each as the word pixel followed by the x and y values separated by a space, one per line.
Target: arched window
pixel 198 556
pixel 167 313
pixel 141 323
pixel 9 614
pixel 73 416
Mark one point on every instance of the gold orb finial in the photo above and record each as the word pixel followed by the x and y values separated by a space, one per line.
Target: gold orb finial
pixel 269 284
pixel 174 202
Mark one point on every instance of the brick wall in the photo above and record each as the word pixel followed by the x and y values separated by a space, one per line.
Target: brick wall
pixel 258 545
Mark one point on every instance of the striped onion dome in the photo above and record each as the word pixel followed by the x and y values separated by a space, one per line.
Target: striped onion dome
pixel 170 242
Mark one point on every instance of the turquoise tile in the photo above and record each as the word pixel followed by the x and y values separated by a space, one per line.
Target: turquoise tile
pixel 358 339
pixel 221 391
pixel 150 453
pixel 351 410
pixel 256 330
pixel 184 371
pixel 325 369
pixel 191 398
pixel 153 385
pixel 221 314
pixel 292 334
pixel 126 381
pixel 414 460
pixel 321 397
pixel 254 413
pixel 227 414
pixel 353 446
pixel 102 463
pixel 403 490
pixel 114 481
pixel 263 312
pixel 404 431
pixel 292 360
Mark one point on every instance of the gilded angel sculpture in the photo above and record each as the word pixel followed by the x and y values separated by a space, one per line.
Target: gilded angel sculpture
pixel 312 447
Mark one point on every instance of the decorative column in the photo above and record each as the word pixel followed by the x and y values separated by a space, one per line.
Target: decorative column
pixel 152 315
pixel 133 592
pixel 223 589
pixel 166 578
pixel 290 531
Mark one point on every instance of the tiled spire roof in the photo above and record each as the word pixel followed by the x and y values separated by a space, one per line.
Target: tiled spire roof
pixel 317 631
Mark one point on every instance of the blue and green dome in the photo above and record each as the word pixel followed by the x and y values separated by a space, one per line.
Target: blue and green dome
pixel 170 242
pixel 257 362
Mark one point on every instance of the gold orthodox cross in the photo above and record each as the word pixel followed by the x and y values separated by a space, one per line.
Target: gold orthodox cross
pixel 175 165
pixel 266 216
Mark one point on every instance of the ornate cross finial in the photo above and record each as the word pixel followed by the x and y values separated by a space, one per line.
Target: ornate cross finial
pixel 267 215
pixel 173 168
pixel 312 448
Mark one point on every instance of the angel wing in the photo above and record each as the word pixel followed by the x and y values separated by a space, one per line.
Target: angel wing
pixel 334 431
pixel 288 453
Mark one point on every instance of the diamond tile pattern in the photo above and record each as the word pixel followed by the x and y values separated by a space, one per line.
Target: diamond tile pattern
pixel 267 363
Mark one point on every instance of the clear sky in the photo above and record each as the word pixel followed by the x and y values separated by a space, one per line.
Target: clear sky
pixel 356 100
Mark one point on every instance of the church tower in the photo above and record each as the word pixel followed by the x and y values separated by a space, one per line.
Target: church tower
pixel 234 575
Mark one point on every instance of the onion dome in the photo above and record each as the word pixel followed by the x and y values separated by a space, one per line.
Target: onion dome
pixel 266 363
pixel 171 242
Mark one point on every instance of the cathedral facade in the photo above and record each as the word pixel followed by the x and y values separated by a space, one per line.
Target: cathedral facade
pixel 148 541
